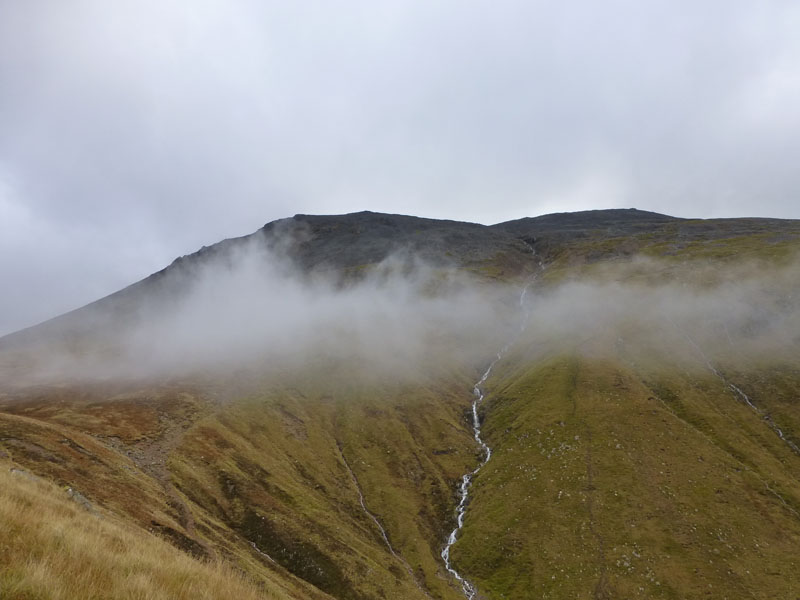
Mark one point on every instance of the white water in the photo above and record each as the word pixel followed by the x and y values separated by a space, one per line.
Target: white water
pixel 738 391
pixel 262 553
pixel 364 506
pixel 380 527
pixel 469 589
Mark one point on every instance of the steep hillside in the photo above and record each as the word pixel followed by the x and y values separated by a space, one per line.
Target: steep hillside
pixel 643 417
pixel 55 545
pixel 343 247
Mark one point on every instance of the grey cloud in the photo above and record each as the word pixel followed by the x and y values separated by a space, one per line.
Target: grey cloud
pixel 169 125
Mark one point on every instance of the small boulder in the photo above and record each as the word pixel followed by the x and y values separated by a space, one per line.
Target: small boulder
pixel 80 499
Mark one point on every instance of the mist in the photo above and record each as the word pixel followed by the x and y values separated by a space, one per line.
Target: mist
pixel 393 319
pixel 690 313
pixel 250 311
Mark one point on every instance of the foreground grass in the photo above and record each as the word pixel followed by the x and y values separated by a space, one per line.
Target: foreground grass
pixel 52 548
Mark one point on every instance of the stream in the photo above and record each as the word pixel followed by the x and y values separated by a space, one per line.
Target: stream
pixel 378 524
pixel 738 391
pixel 469 589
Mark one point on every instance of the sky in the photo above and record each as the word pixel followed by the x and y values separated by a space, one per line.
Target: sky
pixel 137 131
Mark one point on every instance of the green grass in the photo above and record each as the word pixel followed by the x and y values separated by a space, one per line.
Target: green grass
pixel 281 450
pixel 609 481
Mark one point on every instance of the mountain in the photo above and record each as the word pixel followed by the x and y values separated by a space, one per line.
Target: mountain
pixel 291 414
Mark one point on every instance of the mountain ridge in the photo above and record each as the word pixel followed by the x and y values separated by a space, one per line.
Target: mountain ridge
pixel 542 230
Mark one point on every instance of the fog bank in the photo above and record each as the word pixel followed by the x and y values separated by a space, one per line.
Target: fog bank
pixel 250 311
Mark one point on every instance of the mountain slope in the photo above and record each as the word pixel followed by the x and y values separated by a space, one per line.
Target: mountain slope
pixel 342 245
pixel 643 419
pixel 52 547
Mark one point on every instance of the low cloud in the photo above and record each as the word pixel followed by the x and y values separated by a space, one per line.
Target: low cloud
pixel 249 310
pixel 689 313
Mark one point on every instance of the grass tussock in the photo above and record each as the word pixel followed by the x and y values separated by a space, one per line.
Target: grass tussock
pixel 52 548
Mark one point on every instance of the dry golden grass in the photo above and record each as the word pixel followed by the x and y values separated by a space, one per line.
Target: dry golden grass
pixel 52 548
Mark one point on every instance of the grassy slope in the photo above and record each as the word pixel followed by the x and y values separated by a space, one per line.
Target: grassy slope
pixel 263 480
pixel 601 486
pixel 276 468
pixel 52 548
pixel 704 246
pixel 634 471
pixel 113 448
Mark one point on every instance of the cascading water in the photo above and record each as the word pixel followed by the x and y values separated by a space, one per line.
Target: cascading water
pixel 378 524
pixel 469 589
pixel 736 389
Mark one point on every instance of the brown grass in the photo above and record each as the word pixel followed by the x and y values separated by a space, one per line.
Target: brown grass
pixel 52 548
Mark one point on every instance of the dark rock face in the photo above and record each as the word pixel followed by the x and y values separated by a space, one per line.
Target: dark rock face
pixel 621 222
pixel 365 238
pixel 563 227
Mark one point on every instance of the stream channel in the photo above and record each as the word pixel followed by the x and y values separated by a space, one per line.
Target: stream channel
pixel 469 589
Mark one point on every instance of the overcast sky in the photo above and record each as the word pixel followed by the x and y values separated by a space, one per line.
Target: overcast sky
pixel 135 131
